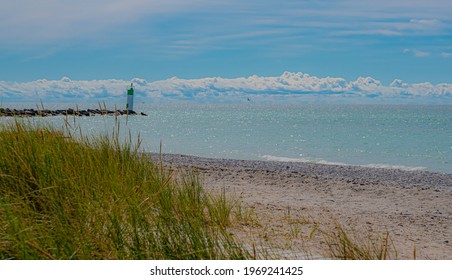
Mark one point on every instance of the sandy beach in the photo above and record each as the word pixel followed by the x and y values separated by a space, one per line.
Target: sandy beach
pixel 289 205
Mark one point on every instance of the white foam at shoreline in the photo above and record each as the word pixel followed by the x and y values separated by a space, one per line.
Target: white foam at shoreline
pixel 303 160
pixel 401 167
pixel 373 165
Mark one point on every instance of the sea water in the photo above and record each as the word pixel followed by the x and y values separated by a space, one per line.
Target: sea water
pixel 412 137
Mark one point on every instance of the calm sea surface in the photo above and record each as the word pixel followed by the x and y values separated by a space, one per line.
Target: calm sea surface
pixel 391 136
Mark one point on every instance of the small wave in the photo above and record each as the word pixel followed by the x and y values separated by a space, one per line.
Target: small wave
pixel 284 159
pixel 321 161
pixel 401 167
pixel 304 160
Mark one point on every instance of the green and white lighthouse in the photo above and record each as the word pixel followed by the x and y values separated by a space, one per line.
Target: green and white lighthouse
pixel 129 106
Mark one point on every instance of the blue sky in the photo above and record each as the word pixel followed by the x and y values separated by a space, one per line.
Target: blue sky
pixel 409 40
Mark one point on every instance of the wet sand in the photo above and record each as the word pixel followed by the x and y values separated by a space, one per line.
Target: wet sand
pixel 289 204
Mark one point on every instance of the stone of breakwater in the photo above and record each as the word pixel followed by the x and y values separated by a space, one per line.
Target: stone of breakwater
pixel 7 112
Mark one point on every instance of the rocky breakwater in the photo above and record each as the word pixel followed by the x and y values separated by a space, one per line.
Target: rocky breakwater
pixel 7 112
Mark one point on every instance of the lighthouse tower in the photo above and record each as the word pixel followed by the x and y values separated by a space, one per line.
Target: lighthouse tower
pixel 129 106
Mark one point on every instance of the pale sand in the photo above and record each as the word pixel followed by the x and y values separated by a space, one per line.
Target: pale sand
pixel 289 199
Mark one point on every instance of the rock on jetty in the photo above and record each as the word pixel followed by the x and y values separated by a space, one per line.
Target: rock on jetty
pixel 6 112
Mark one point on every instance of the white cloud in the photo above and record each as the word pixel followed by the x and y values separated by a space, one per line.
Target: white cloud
pixel 421 53
pixel 287 86
pixel 31 21
pixel 425 25
pixel 417 53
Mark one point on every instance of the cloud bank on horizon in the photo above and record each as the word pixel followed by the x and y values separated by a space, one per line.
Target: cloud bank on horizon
pixel 288 87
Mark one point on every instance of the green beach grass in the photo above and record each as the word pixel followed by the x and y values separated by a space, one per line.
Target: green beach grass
pixel 68 198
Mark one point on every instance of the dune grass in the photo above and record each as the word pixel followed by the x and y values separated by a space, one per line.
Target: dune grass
pixel 97 198
pixel 348 245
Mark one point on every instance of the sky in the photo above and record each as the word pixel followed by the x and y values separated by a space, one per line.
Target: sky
pixel 155 40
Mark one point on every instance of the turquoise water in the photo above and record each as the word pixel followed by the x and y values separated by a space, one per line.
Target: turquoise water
pixel 392 136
